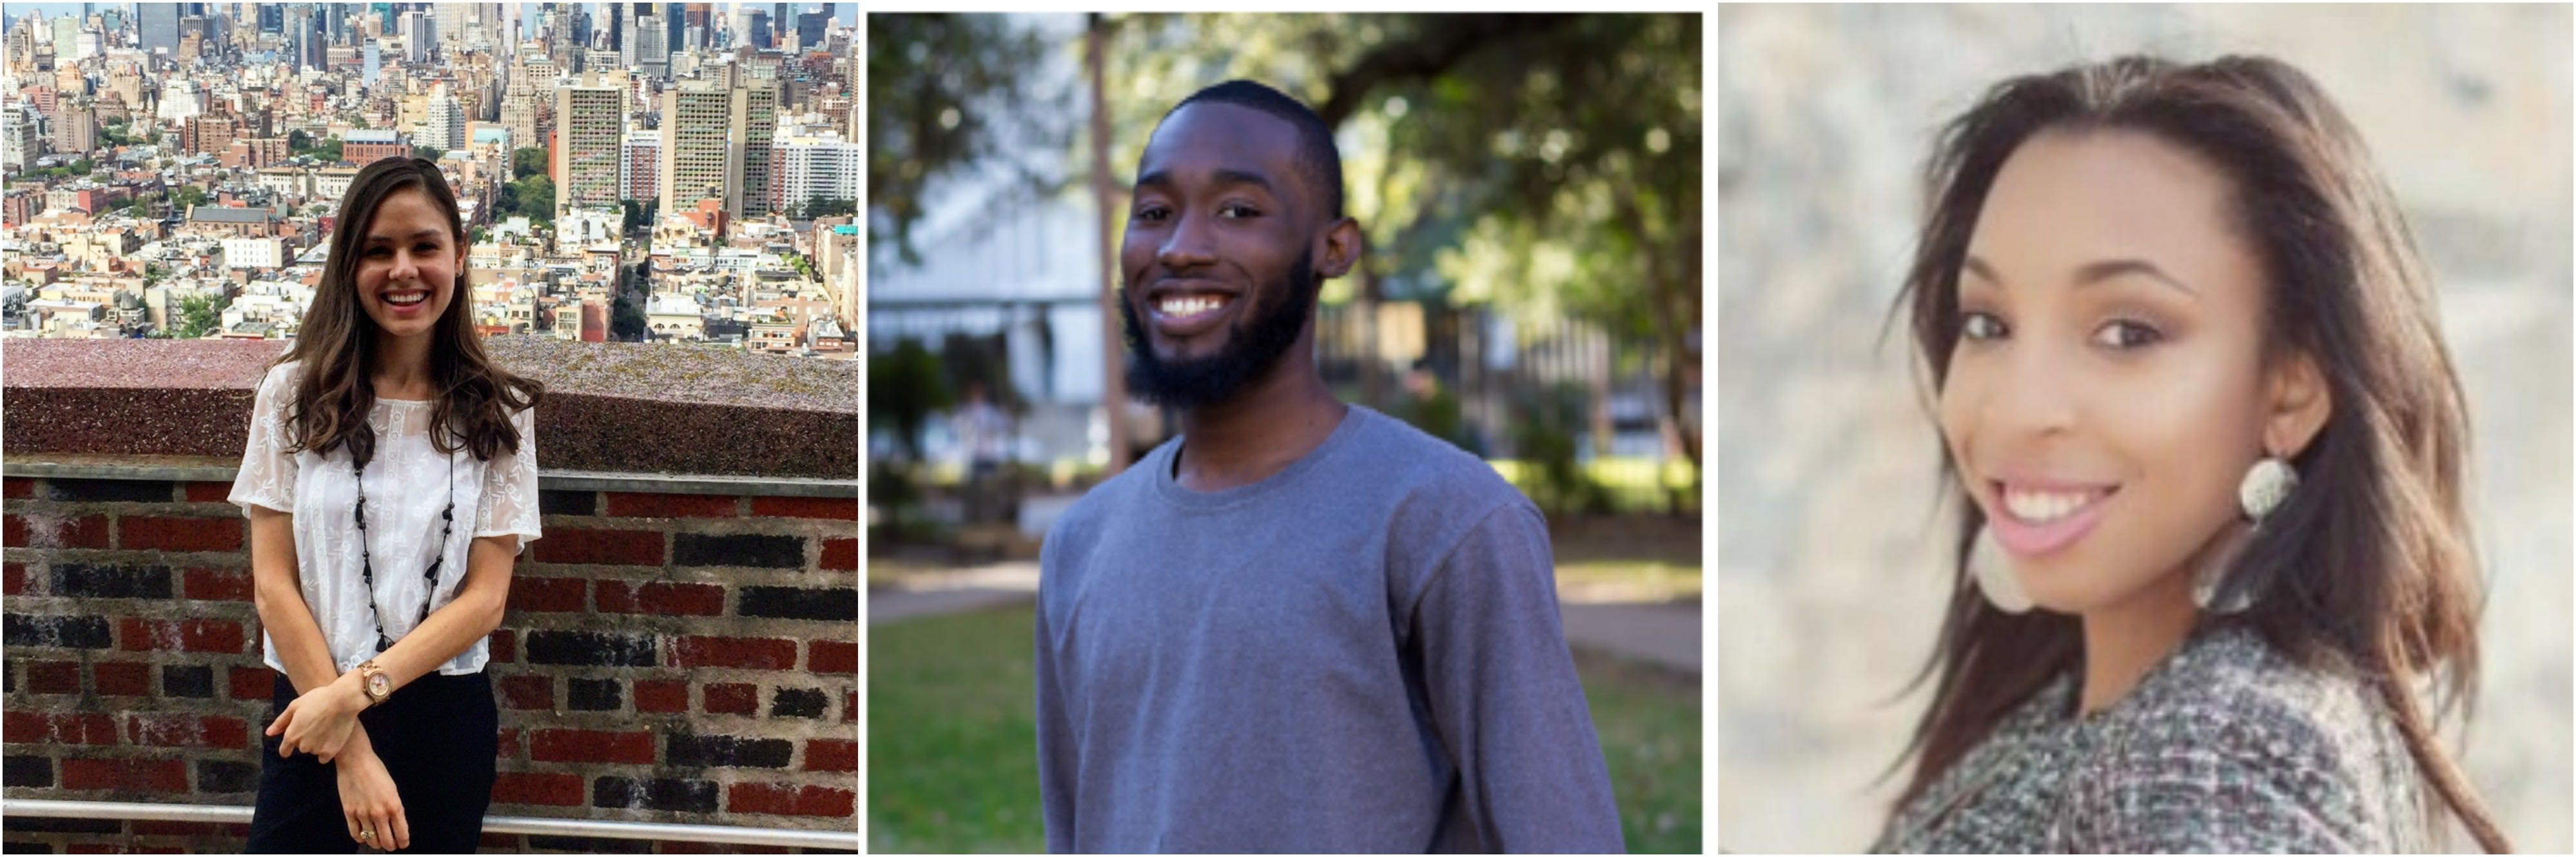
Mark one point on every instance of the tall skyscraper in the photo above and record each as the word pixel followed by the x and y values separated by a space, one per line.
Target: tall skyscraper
pixel 566 36
pixel 652 51
pixel 450 18
pixel 157 27
pixel 810 27
pixel 67 38
pixel 716 138
pixel 444 127
pixel 418 33
pixel 694 122
pixel 317 37
pixel 292 40
pixel 375 63
pixel 590 127
pixel 755 27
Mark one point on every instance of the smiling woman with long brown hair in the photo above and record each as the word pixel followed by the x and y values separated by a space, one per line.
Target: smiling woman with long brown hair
pixel 2193 393
pixel 390 479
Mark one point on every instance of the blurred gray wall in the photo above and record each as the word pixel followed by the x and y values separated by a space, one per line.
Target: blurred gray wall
pixel 1829 574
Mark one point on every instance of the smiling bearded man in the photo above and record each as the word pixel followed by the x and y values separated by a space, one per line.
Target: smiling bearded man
pixel 1300 625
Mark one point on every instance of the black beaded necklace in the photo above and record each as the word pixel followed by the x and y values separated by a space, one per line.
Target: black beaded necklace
pixel 429 577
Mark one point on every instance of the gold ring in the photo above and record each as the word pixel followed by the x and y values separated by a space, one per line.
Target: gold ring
pixel 366 834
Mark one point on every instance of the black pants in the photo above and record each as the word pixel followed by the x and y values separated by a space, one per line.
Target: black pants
pixel 437 736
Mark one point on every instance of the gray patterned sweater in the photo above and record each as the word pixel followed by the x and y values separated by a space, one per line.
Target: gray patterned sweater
pixel 2227 746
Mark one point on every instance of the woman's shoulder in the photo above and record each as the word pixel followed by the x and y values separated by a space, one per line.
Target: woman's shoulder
pixel 282 372
pixel 2231 679
pixel 2234 743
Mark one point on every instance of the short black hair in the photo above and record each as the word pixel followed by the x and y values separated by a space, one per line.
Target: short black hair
pixel 1317 154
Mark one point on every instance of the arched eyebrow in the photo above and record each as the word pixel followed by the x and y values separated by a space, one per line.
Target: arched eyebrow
pixel 424 233
pixel 1223 177
pixel 2091 273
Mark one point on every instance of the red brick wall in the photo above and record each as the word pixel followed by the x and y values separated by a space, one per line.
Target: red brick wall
pixel 667 657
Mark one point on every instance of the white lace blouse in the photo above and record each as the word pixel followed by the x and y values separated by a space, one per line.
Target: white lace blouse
pixel 406 486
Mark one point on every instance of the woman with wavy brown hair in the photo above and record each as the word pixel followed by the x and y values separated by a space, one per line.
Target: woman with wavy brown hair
pixel 2189 379
pixel 385 431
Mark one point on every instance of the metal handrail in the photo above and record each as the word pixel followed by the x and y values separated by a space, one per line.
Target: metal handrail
pixel 718 833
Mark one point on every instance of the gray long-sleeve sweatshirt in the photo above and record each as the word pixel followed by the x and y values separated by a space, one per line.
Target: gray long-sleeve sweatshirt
pixel 1360 653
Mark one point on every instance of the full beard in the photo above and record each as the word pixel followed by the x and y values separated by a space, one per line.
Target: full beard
pixel 1253 346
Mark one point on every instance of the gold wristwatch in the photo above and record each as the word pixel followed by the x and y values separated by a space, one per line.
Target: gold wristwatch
pixel 373 680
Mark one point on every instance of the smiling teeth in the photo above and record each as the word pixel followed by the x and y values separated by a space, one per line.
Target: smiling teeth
pixel 1187 306
pixel 2045 506
pixel 415 298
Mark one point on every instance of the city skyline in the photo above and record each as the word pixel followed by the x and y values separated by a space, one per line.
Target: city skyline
pixel 847 14
pixel 171 179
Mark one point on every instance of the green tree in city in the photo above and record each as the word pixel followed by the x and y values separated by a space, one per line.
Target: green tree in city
pixel 198 315
pixel 829 208
pixel 427 153
pixel 639 214
pixel 924 74
pixel 527 162
pixel 533 196
pixel 626 320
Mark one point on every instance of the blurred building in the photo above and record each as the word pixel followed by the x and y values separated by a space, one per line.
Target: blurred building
pixel 75 128
pixel 157 26
pixel 365 146
pixel 590 113
pixel 639 167
pixel 695 119
pixel 811 167
pixel 420 36
pixel 444 126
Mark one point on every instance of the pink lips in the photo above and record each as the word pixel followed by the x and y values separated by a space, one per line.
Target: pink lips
pixel 2032 540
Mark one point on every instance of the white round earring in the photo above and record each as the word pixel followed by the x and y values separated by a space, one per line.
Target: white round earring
pixel 2265 487
pixel 1993 573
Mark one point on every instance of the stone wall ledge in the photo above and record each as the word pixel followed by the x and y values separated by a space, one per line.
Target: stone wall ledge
pixel 751 423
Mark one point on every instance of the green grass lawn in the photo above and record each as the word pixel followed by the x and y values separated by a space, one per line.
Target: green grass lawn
pixel 952 754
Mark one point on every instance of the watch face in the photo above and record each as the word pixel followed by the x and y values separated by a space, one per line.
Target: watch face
pixel 378 685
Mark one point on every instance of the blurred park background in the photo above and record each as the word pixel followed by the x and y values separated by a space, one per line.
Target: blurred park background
pixel 1829 570
pixel 1530 189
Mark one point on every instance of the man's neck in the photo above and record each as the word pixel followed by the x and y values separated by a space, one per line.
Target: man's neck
pixel 1269 424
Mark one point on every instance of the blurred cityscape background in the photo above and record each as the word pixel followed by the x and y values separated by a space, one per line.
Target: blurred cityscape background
pixel 1530 189
pixel 1829 568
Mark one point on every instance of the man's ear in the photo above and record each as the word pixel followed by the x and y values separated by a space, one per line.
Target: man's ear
pixel 1343 244
pixel 2299 404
